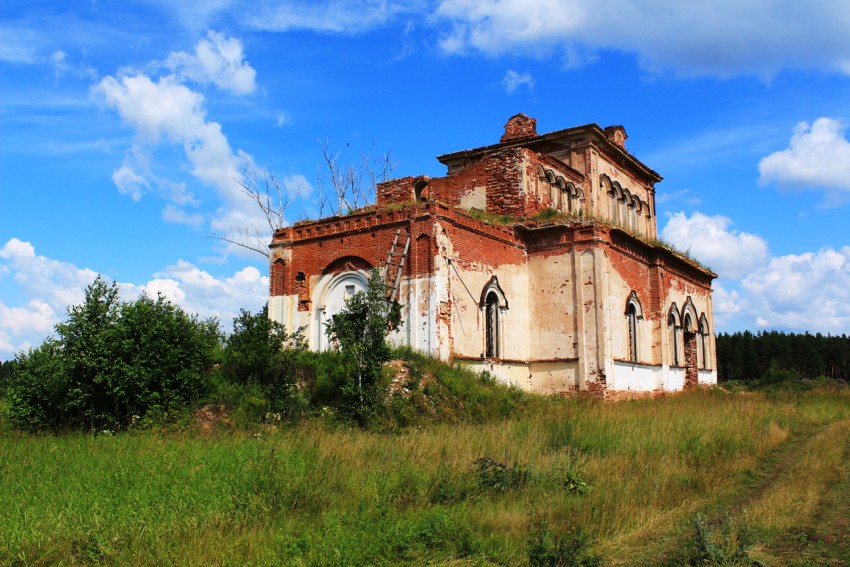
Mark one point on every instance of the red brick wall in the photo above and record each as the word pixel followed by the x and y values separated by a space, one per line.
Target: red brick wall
pixel 504 183
pixel 519 126
pixel 277 278
pixel 449 190
pixel 363 240
pixel 394 191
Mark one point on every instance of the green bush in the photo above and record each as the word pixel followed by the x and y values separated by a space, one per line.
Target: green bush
pixel 6 370
pixel 360 331
pixel 37 393
pixel 722 543
pixel 494 476
pixel 546 549
pixel 112 363
pixel 262 357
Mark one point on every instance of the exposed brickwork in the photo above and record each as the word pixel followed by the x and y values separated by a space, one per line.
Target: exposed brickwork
pixel 451 189
pixel 277 278
pixel 572 296
pixel 394 191
pixel 519 126
pixel 362 241
pixel 691 371
pixel 505 194
pixel 617 134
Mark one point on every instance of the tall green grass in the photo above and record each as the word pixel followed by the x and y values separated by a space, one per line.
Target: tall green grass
pixel 321 495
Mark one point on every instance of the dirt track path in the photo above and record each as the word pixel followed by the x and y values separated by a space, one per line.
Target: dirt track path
pixel 819 538
pixel 825 538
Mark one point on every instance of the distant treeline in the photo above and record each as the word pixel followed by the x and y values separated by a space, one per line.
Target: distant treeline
pixel 748 356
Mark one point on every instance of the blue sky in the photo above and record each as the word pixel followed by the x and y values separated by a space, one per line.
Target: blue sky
pixel 124 126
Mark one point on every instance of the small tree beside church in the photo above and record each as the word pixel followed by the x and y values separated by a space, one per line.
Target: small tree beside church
pixel 359 331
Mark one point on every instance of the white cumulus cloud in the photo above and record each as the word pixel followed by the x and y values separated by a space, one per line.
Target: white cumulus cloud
pixel 710 240
pixel 818 156
pixel 724 38
pixel 755 290
pixel 329 16
pixel 165 110
pixel 129 182
pixel 809 291
pixel 218 60
pixel 514 80
pixel 177 215
pixel 47 287
pixel 197 291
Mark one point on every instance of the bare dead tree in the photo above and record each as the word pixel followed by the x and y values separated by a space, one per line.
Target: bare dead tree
pixel 342 189
pixel 272 199
pixel 349 192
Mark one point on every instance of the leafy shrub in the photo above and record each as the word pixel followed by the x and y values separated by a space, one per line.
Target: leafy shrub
pixel 323 376
pixel 262 357
pixel 777 374
pixel 546 549
pixel 574 483
pixel 37 393
pixel 494 476
pixel 7 368
pixel 726 543
pixel 112 363
pixel 360 331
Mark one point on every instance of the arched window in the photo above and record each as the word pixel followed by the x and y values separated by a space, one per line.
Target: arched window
pixel 563 196
pixel 542 184
pixel 623 208
pixel 673 335
pixel 333 295
pixel 554 190
pixel 702 345
pixel 493 303
pixel 616 217
pixel 606 188
pixel 638 216
pixel 492 322
pixel 633 314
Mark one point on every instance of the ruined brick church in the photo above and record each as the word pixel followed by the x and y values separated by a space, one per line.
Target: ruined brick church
pixel 535 259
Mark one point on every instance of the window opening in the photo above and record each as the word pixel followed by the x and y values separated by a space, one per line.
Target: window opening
pixel 703 345
pixel 631 316
pixel 674 343
pixel 615 218
pixel 492 323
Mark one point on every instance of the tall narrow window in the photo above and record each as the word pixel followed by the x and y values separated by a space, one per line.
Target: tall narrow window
pixel 674 342
pixel 632 319
pixel 614 205
pixel 492 316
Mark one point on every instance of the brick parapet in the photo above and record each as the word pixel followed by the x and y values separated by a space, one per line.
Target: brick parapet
pixel 314 246
pixel 395 191
pixel 372 219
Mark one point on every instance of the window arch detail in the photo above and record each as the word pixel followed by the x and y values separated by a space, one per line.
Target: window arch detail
pixel 493 303
pixel 673 331
pixel 634 313
pixel 702 343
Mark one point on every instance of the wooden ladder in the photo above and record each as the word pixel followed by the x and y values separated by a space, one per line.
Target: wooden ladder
pixel 395 265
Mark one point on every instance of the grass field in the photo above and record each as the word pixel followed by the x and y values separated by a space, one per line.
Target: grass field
pixel 771 471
